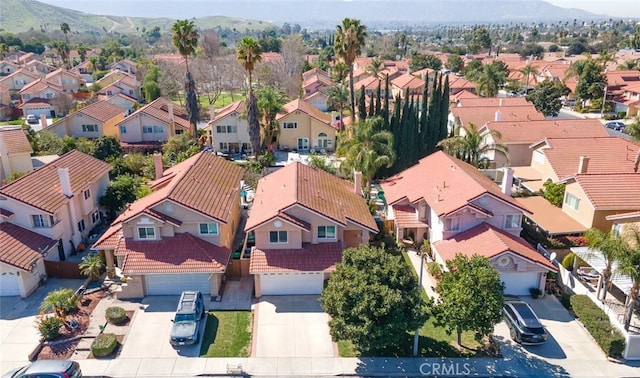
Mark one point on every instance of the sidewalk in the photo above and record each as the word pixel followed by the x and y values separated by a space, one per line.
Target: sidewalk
pixel 428 283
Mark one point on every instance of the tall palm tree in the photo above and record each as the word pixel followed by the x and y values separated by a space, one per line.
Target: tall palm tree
pixel 471 146
pixel 270 103
pixel 64 27
pixel 367 149
pixel 185 39
pixel 629 265
pixel 338 99
pixel 340 72
pixel 375 67
pixel 348 45
pixel 526 72
pixel 609 247
pixel 490 80
pixel 249 53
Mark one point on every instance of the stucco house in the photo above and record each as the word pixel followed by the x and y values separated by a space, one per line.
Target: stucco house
pixel 315 80
pixel 480 115
pixel 450 204
pixel 92 121
pixel 302 218
pixel 153 124
pixel 304 127
pixel 180 236
pixel 228 130
pixel 7 67
pixel 37 98
pixel 15 152
pixel 16 80
pixel 68 80
pixel 58 200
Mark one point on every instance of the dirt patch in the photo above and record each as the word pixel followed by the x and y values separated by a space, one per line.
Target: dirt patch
pixel 115 353
pixel 76 324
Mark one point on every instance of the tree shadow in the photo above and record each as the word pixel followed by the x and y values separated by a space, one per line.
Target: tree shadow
pixel 517 361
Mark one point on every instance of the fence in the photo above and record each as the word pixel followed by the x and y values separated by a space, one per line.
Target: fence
pixel 63 269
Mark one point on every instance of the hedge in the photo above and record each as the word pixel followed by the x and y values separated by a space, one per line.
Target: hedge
pixel 115 315
pixel 598 324
pixel 104 345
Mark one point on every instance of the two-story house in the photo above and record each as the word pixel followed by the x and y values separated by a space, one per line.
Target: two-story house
pixel 15 152
pixel 118 82
pixel 303 127
pixel 58 200
pixel 180 236
pixel 91 121
pixel 407 84
pixel 480 115
pixel 16 80
pixel 153 124
pixel 302 218
pixel 228 130
pixel 450 204
pixel 7 67
pixel 315 80
pixel 37 98
pixel 68 80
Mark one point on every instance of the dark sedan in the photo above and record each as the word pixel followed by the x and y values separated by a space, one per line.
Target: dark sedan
pixel 524 325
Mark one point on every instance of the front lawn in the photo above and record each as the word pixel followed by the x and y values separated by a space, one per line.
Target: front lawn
pixel 227 334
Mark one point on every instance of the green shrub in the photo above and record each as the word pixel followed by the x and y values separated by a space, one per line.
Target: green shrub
pixel 435 270
pixel 598 324
pixel 568 261
pixel 49 326
pixel 115 315
pixel 104 345
pixel 566 300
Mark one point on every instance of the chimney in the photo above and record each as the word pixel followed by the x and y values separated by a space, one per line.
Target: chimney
pixel 583 165
pixel 157 163
pixel 498 116
pixel 212 112
pixel 65 182
pixel 43 121
pixel 357 183
pixel 170 111
pixel 500 104
pixel 507 180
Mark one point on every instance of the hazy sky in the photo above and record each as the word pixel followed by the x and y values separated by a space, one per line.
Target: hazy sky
pixel 614 8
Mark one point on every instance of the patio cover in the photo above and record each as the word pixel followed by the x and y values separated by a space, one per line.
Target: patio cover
pixel 596 261
pixel 550 218
pixel 527 177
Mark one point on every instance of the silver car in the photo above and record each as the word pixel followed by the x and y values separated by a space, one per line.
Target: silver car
pixel 186 324
pixel 47 368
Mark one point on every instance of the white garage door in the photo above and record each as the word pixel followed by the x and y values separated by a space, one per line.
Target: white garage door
pixel 9 284
pixel 519 283
pixel 175 284
pixel 291 283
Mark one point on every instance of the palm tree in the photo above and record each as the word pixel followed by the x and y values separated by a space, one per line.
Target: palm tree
pixel 629 65
pixel 367 149
pixel 64 27
pixel 629 265
pixel 471 146
pixel 249 54
pixel 270 103
pixel 490 80
pixel 338 99
pixel 348 44
pixel 92 266
pixel 526 72
pixel 375 67
pixel 185 39
pixel 609 246
pixel 59 301
pixel 340 72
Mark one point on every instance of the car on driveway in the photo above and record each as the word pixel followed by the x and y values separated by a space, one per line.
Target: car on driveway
pixel 616 125
pixel 31 119
pixel 186 323
pixel 524 326
pixel 48 369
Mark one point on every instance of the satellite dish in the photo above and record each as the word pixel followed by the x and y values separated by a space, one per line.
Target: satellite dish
pixel 552 256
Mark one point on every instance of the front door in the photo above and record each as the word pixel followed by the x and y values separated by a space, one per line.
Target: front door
pixel 303 144
pixel 61 251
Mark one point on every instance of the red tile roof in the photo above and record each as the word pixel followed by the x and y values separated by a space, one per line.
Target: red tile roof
pixel 523 131
pixel 493 101
pixel 321 257
pixel 305 107
pixel 606 155
pixel 488 241
pixel 604 195
pixel 101 111
pixel 36 101
pixel 481 115
pixel 407 217
pixel 159 109
pixel 41 188
pixel 183 253
pixel 235 107
pixel 21 247
pixel 313 189
pixel 39 85
pixel 447 184
pixel 408 81
pixel 14 141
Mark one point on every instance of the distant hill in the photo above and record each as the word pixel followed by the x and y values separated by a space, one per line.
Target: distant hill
pixel 24 15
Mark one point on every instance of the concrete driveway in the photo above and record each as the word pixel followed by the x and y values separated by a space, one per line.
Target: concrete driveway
pixel 569 347
pixel 291 326
pixel 150 328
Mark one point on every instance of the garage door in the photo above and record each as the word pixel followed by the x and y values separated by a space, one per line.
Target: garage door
pixel 175 284
pixel 9 284
pixel 291 283
pixel 519 283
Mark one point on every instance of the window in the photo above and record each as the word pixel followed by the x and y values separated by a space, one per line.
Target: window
pixel 39 221
pixel 179 132
pixel 168 207
pixel 158 129
pixel 246 147
pixel 49 96
pixel 87 194
pixel 572 201
pixel 452 224
pixel 326 232
pixel 221 129
pixel 232 129
pixel 512 221
pixel 278 237
pixel 123 129
pixel 146 233
pixel 95 217
pixel 81 226
pixel 130 91
pixel 224 146
pixel 109 93
pixel 208 229
pixel 89 128
pixel 290 125
pixel 147 129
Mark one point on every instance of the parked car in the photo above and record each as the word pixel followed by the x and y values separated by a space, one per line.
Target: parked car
pixel 616 125
pixel 186 323
pixel 524 326
pixel 47 368
pixel 31 119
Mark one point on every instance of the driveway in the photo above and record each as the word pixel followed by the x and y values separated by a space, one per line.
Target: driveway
pixel 569 347
pixel 150 328
pixel 291 326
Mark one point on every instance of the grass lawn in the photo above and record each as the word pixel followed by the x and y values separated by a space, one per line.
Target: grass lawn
pixel 227 334
pixel 223 100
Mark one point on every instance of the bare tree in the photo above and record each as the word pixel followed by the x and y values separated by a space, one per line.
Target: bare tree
pixel 62 103
pixel 293 54
pixel 210 44
pixel 171 75
pixel 209 77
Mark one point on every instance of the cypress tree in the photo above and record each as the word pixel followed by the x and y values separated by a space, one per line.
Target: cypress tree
pixel 362 106
pixel 385 109
pixel 378 97
pixel 424 132
pixel 371 107
pixel 432 129
pixel 445 109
